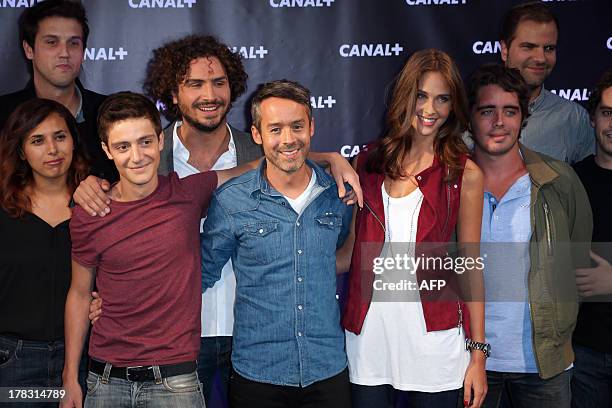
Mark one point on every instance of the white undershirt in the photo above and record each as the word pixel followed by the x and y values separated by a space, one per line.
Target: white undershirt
pixel 303 199
pixel 217 313
pixel 394 346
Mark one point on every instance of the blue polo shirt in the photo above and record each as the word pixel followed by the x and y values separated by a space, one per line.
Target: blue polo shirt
pixel 505 236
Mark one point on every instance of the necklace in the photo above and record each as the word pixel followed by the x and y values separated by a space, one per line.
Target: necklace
pixel 411 224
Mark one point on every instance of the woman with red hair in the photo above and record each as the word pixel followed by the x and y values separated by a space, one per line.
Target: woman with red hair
pixel 420 188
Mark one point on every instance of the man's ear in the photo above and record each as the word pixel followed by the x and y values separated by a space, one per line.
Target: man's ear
pixel 256 135
pixel 504 51
pixel 312 127
pixel 29 52
pixel 160 139
pixel 105 148
pixel 174 98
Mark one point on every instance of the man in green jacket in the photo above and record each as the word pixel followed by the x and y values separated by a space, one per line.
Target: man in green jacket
pixel 537 223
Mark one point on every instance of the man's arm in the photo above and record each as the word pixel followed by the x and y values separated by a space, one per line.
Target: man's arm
pixel 76 325
pixel 218 243
pixel 92 195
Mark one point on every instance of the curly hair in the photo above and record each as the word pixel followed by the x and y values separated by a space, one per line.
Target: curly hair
pixel 16 173
pixel 170 64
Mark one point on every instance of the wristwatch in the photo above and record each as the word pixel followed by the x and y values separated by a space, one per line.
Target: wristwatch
pixel 475 345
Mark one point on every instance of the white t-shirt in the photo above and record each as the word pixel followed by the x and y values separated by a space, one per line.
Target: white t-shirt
pixel 217 314
pixel 394 346
pixel 303 199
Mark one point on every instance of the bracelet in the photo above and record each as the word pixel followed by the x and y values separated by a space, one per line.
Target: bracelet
pixel 475 345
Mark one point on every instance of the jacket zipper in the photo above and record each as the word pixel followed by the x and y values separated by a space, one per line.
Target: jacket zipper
pixel 460 322
pixel 548 231
pixel 375 216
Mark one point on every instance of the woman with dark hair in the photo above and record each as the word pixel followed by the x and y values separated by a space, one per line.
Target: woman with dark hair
pixel 419 189
pixel 41 163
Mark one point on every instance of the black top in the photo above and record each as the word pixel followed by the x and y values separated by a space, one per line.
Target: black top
pixel 34 277
pixel 594 326
pixel 101 166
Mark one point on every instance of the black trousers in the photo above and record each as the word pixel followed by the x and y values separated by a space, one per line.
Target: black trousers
pixel 333 392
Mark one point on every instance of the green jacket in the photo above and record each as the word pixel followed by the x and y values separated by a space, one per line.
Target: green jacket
pixel 562 225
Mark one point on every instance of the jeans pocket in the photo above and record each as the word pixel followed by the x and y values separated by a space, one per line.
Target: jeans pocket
pixel 182 383
pixel 93 382
pixel 8 353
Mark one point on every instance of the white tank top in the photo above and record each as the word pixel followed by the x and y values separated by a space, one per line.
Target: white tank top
pixel 394 346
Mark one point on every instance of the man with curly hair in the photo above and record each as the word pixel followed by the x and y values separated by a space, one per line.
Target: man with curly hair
pixel 196 78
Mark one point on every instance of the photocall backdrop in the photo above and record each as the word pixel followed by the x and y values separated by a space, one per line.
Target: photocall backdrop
pixel 347 52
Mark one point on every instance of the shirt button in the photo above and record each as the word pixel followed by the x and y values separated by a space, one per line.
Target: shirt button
pixel 331 223
pixel 297 223
pixel 261 230
pixel 299 251
pixel 300 307
pixel 492 199
pixel 299 278
pixel 419 177
pixel 300 334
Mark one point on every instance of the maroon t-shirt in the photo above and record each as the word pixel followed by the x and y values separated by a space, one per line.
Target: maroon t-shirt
pixel 147 255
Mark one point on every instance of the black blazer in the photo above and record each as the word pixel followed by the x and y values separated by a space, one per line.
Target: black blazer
pixel 101 166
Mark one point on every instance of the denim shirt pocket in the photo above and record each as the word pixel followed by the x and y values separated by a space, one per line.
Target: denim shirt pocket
pixel 329 226
pixel 261 241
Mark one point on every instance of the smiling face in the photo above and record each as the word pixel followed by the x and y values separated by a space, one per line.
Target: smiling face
pixel 433 104
pixel 58 52
pixel 602 122
pixel 134 147
pixel 496 121
pixel 203 98
pixel 284 132
pixel 533 51
pixel 48 148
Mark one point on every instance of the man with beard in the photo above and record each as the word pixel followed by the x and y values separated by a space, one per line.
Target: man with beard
pixel 534 208
pixel 592 381
pixel 281 225
pixel 556 126
pixel 197 79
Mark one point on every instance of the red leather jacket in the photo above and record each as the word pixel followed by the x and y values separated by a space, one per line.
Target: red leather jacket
pixel 436 224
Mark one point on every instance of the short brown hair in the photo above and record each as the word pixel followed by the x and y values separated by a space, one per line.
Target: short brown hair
pixel 509 79
pixel 126 105
pixel 170 64
pixel 604 83
pixel 284 89
pixel 532 11
pixel 16 173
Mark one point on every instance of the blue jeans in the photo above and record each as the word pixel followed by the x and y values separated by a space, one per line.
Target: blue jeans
pixel 385 396
pixel 177 391
pixel 526 390
pixel 26 363
pixel 215 354
pixel 592 381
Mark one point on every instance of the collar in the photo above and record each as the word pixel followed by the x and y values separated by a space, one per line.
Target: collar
pixel 260 182
pixel 176 140
pixel 539 101
pixel 80 116
pixel 538 166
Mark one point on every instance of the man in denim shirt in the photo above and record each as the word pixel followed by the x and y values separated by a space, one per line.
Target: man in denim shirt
pixel 281 224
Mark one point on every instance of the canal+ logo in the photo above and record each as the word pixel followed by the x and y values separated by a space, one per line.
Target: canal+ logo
pixel 370 50
pixel 301 3
pixel 250 52
pixel 105 54
pixel 18 3
pixel 321 102
pixel 486 47
pixel 162 3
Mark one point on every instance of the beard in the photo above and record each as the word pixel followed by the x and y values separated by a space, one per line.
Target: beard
pixel 203 127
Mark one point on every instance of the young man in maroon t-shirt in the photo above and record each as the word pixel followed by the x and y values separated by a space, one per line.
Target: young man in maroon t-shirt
pixel 145 258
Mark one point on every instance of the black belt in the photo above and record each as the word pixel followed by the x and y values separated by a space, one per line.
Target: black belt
pixel 142 373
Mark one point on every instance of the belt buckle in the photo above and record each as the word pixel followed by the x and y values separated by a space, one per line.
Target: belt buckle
pixel 137 373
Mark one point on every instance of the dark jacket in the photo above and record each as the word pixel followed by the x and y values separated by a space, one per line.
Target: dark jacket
pixel 246 149
pixel 101 166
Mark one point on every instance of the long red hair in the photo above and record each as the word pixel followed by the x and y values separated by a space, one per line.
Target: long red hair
pixel 16 173
pixel 388 154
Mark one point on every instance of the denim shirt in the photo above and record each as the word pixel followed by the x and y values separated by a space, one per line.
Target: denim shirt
pixel 286 315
